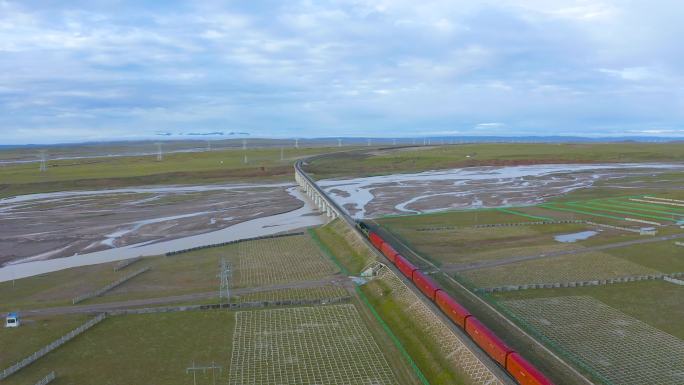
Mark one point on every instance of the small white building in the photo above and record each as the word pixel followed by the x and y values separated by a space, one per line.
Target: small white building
pixel 12 320
pixel 647 231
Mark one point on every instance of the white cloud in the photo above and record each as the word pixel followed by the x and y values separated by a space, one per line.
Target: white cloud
pixel 546 66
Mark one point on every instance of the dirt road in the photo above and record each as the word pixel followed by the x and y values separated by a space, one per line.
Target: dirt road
pixel 100 307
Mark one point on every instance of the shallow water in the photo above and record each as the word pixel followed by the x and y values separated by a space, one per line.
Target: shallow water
pixel 292 220
pixel 574 237
pixel 470 183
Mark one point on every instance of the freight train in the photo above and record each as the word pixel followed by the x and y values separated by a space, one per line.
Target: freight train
pixel 520 369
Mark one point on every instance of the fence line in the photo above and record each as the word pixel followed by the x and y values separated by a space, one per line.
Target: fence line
pixel 109 287
pixel 674 280
pixel 596 282
pixel 439 228
pixel 170 253
pixel 125 263
pixel 232 305
pixel 47 379
pixel 52 346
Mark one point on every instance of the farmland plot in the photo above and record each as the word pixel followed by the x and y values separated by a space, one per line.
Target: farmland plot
pixel 578 267
pixel 280 260
pixel 620 348
pixel 307 345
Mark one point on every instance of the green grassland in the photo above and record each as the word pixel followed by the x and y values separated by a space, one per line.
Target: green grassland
pixel 421 346
pixel 263 164
pixel 416 159
pixel 663 256
pixel 254 263
pixel 139 349
pixel 568 268
pixel 33 334
pixel 341 242
pixel 657 303
pixel 470 244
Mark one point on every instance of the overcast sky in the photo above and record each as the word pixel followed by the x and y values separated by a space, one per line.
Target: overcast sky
pixel 97 69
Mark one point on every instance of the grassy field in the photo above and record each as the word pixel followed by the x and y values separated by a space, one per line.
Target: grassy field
pixel 263 164
pixel 424 336
pixel 315 345
pixel 322 292
pixel 471 244
pixel 140 349
pixel 366 163
pixel 33 334
pixel 657 303
pixel 254 264
pixel 605 339
pixel 341 242
pixel 279 260
pixel 577 267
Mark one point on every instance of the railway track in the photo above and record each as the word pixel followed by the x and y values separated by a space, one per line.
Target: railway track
pixel 579 378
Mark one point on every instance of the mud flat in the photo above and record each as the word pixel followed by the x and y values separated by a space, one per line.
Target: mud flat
pixel 304 216
pixel 53 225
pixel 473 187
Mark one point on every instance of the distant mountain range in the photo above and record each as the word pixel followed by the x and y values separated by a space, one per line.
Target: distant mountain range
pixel 432 140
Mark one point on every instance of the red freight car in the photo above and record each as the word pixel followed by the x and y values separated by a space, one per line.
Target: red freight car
pixel 376 240
pixel 451 308
pixel 487 340
pixel 405 266
pixel 389 252
pixel 524 372
pixel 425 284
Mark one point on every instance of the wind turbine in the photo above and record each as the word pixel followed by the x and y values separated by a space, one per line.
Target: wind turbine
pixel 160 153
pixel 43 160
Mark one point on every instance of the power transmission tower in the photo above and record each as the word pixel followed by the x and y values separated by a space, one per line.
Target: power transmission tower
pixel 43 160
pixel 160 154
pixel 224 277
pixel 194 369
